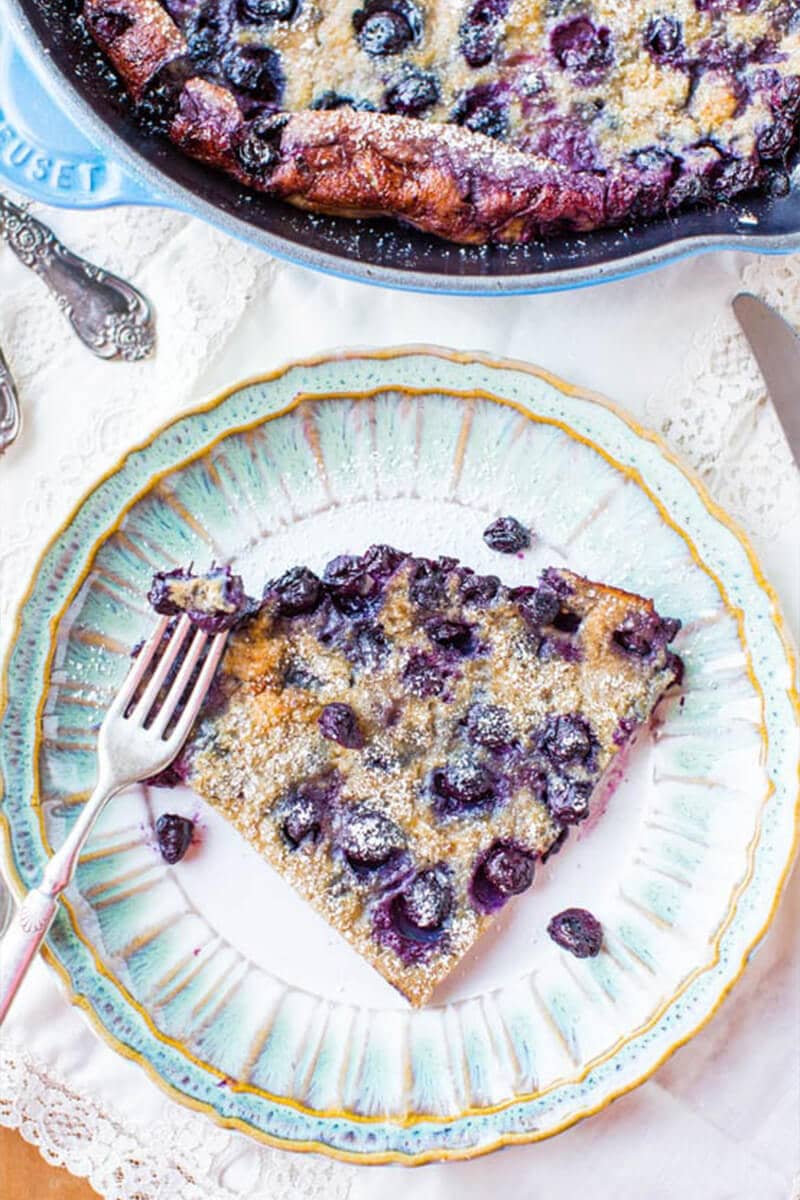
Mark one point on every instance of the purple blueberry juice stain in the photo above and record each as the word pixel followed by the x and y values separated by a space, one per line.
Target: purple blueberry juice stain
pixel 578 931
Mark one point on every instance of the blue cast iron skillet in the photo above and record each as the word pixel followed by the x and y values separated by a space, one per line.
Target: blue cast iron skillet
pixel 66 69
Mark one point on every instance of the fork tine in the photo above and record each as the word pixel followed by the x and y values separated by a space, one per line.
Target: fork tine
pixel 198 693
pixel 148 697
pixel 137 670
pixel 178 686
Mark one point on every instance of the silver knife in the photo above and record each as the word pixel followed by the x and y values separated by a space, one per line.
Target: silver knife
pixel 776 346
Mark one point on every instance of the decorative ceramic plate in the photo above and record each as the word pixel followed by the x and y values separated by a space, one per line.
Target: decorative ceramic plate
pixel 214 974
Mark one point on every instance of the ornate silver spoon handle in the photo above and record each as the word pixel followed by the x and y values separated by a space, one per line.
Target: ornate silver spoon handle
pixel 10 417
pixel 109 315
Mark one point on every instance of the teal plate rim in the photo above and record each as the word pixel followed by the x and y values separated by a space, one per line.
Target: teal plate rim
pixel 283 1122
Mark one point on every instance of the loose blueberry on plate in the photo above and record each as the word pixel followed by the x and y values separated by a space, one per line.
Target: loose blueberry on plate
pixel 507 535
pixel 174 835
pixel 577 930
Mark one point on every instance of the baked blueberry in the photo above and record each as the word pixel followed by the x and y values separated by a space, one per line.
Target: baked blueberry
pixel 174 835
pixel 641 635
pixel 368 839
pixel 265 11
pixel 428 586
pixel 483 109
pixel 582 48
pixel 385 27
pixel 463 783
pixel 257 146
pixel 302 814
pixel 505 870
pixel 208 31
pixel 422 906
pixel 425 674
pixel 479 590
pixel 339 723
pixel 507 535
pixel 411 92
pixel 566 739
pixel 480 30
pixel 255 70
pixel 332 100
pixel 490 725
pixel 663 37
pixel 213 602
pixel 457 636
pixel 577 930
pixel 368 647
pixel 568 799
pixel 109 25
pixel 298 591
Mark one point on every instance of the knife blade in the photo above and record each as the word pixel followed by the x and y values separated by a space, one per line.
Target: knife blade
pixel 776 347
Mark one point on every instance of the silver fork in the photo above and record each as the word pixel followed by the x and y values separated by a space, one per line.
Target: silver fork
pixel 127 751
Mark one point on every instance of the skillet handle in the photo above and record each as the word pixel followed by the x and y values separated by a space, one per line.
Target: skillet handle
pixel 42 154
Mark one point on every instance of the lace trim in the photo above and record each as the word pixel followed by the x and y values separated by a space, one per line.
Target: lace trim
pixel 196 1160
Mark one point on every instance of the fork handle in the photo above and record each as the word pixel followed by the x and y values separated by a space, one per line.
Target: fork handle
pixel 34 916
pixel 21 942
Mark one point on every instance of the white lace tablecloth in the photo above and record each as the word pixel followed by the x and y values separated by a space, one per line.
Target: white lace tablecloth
pixel 721 1120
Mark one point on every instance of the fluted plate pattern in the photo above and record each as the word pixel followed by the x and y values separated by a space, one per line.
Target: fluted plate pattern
pixel 214 974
